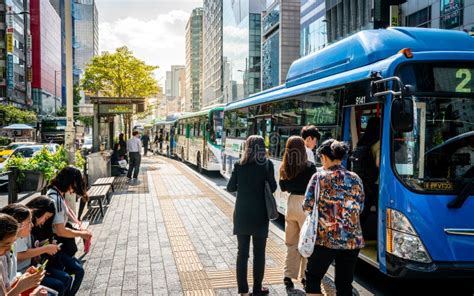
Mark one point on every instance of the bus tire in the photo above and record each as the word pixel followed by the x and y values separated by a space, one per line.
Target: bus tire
pixel 199 164
pixel 182 154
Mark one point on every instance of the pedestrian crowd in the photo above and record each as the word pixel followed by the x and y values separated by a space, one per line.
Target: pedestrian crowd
pixel 331 196
pixel 37 241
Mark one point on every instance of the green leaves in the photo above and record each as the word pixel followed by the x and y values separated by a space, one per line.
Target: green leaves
pixel 44 161
pixel 12 114
pixel 119 74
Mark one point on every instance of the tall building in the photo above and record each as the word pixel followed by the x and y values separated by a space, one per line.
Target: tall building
pixel 86 34
pixel 350 16
pixel 175 88
pixel 15 62
pixel 46 57
pixel 212 59
pixel 443 14
pixel 241 48
pixel 313 26
pixel 194 57
pixel 280 40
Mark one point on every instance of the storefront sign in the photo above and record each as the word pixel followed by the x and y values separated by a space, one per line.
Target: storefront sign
pixel 115 109
pixel 10 76
pixel 451 13
pixel 9 17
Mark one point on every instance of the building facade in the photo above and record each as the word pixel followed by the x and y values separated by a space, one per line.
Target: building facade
pixel 313 26
pixel 46 57
pixel 212 45
pixel 280 40
pixel 241 48
pixel 15 62
pixel 443 14
pixel 175 88
pixel 194 56
pixel 86 34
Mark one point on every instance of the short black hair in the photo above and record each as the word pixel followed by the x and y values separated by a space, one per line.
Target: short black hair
pixel 135 133
pixel 310 131
pixel 17 211
pixel 8 226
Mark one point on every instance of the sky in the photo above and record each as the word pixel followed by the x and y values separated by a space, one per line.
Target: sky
pixel 153 29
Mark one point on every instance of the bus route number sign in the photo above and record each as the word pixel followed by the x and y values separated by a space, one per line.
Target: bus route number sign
pixel 459 80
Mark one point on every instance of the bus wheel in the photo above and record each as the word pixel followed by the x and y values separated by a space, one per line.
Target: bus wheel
pixel 199 165
pixel 182 154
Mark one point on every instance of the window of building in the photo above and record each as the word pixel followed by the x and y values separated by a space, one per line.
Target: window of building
pixel 421 18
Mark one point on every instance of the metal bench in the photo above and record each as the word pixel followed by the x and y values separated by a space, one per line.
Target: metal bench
pixel 105 181
pixel 99 192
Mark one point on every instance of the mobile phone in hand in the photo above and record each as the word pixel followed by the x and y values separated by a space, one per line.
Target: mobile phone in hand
pixel 43 266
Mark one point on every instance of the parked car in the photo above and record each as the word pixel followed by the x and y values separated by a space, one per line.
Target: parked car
pixel 5 153
pixel 87 146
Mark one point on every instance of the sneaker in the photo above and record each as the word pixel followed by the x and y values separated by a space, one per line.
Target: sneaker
pixel 288 284
pixel 303 282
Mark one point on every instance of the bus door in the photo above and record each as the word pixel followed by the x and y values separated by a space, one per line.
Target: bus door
pixel 362 130
pixel 264 128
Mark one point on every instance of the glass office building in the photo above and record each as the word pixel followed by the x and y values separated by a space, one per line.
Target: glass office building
pixel 241 48
pixel 313 26
pixel 193 62
pixel 86 34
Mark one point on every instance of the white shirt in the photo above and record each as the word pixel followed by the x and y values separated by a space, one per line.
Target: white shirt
pixel 134 145
pixel 310 154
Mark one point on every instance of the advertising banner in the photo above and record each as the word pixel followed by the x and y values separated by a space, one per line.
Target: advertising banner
pixel 10 47
pixel 451 13
pixel 10 76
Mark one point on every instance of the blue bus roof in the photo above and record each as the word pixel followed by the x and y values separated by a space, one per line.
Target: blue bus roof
pixel 368 47
pixel 355 57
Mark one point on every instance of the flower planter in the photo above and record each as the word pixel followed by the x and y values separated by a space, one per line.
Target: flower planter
pixel 33 181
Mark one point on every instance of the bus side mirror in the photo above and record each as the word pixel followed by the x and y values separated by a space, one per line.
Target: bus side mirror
pixel 402 117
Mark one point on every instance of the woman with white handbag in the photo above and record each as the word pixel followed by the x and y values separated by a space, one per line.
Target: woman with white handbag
pixel 339 205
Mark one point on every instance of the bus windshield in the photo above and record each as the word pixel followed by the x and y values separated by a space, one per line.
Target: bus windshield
pixel 438 155
pixel 217 122
pixel 53 125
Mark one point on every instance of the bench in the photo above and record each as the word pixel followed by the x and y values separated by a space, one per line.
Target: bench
pixel 99 192
pixel 105 181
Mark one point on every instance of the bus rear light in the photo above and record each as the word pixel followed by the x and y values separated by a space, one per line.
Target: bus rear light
pixel 402 240
pixel 406 52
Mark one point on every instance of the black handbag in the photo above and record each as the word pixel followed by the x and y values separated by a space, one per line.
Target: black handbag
pixel 270 202
pixel 69 245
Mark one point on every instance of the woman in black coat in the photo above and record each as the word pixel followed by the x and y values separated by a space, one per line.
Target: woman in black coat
pixel 250 214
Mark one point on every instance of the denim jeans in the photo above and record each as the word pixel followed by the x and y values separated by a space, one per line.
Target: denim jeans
pixel 58 280
pixel 73 267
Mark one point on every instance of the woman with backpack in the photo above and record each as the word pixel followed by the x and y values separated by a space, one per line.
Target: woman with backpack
pixel 250 215
pixel 295 173
pixel 68 180
pixel 339 205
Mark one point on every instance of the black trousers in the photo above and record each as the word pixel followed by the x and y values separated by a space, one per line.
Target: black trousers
pixel 259 244
pixel 134 165
pixel 318 265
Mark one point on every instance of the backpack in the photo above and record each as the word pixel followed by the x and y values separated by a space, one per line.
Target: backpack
pixel 363 164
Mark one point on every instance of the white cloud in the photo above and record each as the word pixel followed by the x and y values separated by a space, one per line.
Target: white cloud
pixel 159 41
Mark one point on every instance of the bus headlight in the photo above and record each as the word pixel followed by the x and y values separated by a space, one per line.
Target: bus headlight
pixel 402 239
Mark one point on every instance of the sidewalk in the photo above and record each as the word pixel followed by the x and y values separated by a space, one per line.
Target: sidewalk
pixel 171 235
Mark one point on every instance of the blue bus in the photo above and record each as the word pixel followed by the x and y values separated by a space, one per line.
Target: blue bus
pixel 420 84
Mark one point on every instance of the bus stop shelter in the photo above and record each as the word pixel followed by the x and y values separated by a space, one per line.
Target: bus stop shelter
pixel 106 111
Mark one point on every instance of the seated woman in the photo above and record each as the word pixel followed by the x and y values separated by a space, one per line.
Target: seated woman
pixel 10 229
pixel 68 180
pixel 35 248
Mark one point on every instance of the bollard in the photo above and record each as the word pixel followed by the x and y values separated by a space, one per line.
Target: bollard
pixel 12 185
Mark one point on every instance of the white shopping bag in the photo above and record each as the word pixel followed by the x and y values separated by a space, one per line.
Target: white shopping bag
pixel 309 230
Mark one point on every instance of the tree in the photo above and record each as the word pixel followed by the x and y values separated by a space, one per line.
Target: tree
pixel 119 74
pixel 10 114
